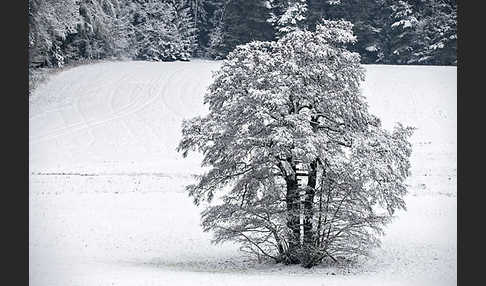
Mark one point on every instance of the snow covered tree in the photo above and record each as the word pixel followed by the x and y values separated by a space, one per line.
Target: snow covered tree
pixel 436 40
pixel 101 32
pixel 186 27
pixel 288 16
pixel 50 22
pixel 400 33
pixel 369 17
pixel 216 32
pixel 420 32
pixel 239 22
pixel 163 30
pixel 281 109
pixel 201 11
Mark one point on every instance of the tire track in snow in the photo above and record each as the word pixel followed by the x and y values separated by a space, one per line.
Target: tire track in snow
pixel 140 102
pixel 88 123
pixel 62 108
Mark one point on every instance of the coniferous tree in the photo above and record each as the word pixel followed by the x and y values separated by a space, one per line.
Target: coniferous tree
pixel 100 33
pixel 400 33
pixel 214 48
pixel 420 32
pixel 201 11
pixel 50 23
pixel 436 40
pixel 186 27
pixel 240 22
pixel 288 16
pixel 368 18
pixel 163 31
pixel 395 32
pixel 277 9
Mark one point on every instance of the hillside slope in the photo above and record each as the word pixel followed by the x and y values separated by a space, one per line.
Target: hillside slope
pixel 107 204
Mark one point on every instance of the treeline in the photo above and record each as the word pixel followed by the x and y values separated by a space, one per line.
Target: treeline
pixel 388 31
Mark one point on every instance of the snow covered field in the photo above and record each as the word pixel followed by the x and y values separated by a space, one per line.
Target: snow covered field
pixel 107 205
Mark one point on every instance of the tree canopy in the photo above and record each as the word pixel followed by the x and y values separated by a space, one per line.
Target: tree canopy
pixel 278 107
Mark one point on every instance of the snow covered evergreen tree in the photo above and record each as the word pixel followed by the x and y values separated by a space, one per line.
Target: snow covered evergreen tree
pixel 164 30
pixel 278 110
pixel 401 33
pixel 436 41
pixel 50 23
pixel 214 48
pixel 201 11
pixel 101 32
pixel 63 31
pixel 239 22
pixel 186 27
pixel 368 17
pixel 288 15
pixel 420 32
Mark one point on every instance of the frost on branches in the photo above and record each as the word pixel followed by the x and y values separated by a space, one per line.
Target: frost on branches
pixel 292 18
pixel 302 171
pixel 50 23
pixel 403 32
pixel 164 31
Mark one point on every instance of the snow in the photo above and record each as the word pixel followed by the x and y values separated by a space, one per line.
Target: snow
pixel 334 2
pixel 107 202
pixel 372 48
pixel 404 23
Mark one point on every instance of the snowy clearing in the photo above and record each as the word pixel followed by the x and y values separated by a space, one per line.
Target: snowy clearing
pixel 107 204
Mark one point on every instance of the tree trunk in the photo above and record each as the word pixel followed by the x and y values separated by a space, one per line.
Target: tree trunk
pixel 309 204
pixel 293 216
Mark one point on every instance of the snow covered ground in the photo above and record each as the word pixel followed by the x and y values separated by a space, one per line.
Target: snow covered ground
pixel 107 205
